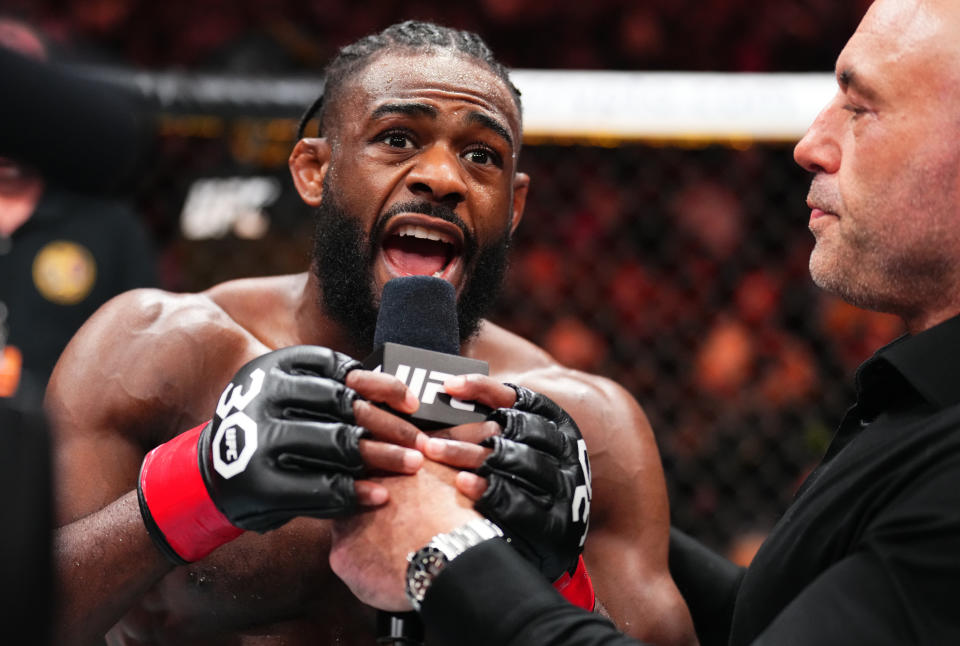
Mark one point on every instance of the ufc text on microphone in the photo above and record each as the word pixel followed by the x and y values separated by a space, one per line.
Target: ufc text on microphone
pixel 417 339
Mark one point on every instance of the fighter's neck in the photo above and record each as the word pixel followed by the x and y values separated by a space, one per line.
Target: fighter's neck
pixel 314 326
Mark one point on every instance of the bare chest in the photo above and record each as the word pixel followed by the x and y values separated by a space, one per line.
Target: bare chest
pixel 275 588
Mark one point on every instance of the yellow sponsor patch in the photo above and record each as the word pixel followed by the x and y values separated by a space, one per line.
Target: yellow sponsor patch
pixel 64 272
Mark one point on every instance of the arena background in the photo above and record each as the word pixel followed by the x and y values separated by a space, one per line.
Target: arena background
pixel 675 265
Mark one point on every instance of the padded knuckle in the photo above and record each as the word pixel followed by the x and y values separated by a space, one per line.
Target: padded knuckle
pixel 348 439
pixel 343 364
pixel 347 397
pixel 525 396
pixel 491 502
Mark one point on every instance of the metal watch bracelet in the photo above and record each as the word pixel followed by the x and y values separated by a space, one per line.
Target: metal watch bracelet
pixel 425 564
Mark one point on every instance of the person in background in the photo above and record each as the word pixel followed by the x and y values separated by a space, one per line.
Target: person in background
pixel 63 254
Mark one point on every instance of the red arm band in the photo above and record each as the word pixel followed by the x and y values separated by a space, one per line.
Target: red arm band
pixel 176 499
pixel 578 588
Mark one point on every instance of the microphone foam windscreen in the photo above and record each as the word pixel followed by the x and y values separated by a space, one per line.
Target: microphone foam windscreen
pixel 421 312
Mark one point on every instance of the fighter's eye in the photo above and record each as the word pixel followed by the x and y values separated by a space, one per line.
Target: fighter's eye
pixel 396 139
pixel 483 156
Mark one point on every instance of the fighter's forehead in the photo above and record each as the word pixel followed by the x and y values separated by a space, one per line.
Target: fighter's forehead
pixel 431 76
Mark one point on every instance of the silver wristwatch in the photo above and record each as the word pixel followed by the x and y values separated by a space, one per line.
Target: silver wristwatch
pixel 425 564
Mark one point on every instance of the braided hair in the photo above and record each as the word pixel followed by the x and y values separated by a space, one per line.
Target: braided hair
pixel 411 35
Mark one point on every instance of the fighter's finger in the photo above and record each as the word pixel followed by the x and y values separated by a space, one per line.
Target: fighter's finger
pixel 480 388
pixel 464 455
pixel 386 426
pixel 383 388
pixel 370 494
pixel 380 456
pixel 475 432
pixel 471 485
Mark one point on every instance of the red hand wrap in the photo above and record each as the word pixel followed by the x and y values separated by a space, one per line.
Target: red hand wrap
pixel 577 589
pixel 178 501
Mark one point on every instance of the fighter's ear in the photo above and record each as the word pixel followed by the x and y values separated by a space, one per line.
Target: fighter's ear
pixel 309 162
pixel 521 184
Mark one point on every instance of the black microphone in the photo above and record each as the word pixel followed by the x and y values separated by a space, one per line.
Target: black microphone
pixel 418 340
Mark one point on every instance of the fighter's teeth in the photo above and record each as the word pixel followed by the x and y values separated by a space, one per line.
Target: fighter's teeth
pixel 437 274
pixel 419 232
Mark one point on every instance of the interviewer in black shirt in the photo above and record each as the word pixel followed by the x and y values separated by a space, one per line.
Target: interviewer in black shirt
pixel 869 551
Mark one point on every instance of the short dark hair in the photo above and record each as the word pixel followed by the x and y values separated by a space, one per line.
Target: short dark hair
pixel 412 35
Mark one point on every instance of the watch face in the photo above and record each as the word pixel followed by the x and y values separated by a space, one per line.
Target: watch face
pixel 423 568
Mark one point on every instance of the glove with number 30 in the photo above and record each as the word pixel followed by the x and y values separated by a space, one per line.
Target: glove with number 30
pixel 282 443
pixel 539 488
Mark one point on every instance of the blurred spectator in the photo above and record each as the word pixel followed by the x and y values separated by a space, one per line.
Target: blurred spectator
pixel 575 345
pixel 725 361
pixel 61 255
pixel 712 216
pixel 732 35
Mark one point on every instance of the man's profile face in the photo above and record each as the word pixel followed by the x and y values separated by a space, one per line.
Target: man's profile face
pixel 422 181
pixel 885 198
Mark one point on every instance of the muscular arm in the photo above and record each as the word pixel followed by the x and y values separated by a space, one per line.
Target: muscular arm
pixel 626 550
pixel 142 372
pixel 125 383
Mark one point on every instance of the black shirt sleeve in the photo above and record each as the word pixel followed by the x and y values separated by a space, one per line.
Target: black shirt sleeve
pixel 708 583
pixel 491 595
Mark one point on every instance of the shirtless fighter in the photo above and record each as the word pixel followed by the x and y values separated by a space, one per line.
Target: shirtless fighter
pixel 415 173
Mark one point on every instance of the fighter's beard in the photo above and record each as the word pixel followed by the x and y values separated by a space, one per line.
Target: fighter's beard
pixel 343 258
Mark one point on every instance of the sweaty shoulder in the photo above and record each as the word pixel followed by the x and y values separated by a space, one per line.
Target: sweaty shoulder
pixel 144 356
pixel 264 306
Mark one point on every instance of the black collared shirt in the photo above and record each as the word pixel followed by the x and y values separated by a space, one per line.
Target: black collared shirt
pixel 867 553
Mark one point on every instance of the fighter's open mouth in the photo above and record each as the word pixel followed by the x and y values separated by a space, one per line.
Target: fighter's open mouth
pixel 419 251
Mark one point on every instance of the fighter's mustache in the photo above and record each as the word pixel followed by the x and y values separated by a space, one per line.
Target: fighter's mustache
pixel 439 211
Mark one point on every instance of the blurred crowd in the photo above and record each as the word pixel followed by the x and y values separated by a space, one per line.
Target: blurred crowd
pixel 679 273
pixel 272 35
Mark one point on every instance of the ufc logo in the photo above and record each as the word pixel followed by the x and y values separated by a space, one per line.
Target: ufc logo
pixel 231 453
pixel 426 386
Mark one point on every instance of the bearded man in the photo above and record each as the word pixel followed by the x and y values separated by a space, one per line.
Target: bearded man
pixel 414 173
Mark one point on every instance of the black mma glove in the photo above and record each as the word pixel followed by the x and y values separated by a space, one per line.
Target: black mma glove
pixel 539 489
pixel 282 443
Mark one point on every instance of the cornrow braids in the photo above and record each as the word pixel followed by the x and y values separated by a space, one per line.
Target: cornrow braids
pixel 411 35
